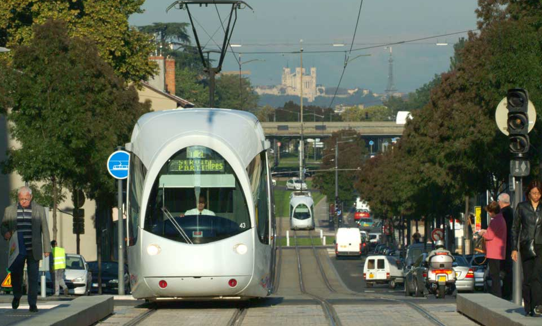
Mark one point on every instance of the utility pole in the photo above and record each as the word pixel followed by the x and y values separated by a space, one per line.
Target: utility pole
pixel 301 145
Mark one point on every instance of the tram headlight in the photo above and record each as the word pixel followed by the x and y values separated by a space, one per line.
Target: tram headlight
pixel 240 248
pixel 153 249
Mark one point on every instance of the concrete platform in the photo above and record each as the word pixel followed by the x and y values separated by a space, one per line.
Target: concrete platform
pixel 81 311
pixel 487 309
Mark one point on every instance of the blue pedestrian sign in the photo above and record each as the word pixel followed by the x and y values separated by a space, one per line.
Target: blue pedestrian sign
pixel 371 142
pixel 118 163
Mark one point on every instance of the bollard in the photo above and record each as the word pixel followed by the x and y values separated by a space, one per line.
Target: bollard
pixel 321 233
pixel 287 238
pixel 323 241
pixel 43 289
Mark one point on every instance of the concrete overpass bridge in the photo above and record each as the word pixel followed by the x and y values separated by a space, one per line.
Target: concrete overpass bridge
pixel 367 129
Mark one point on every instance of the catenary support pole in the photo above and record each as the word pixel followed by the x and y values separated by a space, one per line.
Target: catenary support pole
pixel 517 264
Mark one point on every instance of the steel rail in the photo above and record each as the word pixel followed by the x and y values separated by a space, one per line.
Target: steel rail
pixel 278 267
pixel 140 318
pixel 331 314
pixel 238 316
pixel 320 267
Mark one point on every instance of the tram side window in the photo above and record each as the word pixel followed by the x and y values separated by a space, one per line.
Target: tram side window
pixel 257 172
pixel 137 179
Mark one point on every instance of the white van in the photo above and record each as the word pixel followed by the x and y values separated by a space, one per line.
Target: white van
pixel 380 269
pixel 348 242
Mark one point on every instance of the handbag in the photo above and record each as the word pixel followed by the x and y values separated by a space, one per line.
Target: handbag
pixel 17 251
pixel 480 245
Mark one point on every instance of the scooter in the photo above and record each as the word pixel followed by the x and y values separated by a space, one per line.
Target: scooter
pixel 440 277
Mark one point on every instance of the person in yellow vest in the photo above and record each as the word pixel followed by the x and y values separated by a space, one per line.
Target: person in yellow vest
pixel 59 265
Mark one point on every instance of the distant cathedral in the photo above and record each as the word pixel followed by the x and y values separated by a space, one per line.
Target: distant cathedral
pixel 291 85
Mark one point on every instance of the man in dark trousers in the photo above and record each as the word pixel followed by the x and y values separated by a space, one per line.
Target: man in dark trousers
pixel 29 221
pixel 508 264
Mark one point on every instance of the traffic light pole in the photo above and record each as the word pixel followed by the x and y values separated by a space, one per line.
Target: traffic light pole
pixel 516 295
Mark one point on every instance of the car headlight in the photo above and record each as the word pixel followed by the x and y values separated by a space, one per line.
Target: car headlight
pixel 78 280
pixel 114 281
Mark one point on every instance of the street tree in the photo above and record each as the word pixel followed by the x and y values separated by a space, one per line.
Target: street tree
pixel 104 22
pixel 236 93
pixel 352 151
pixel 69 112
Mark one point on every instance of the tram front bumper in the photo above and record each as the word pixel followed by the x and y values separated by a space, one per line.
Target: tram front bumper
pixel 178 287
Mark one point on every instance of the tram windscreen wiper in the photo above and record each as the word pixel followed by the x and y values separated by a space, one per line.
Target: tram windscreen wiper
pixel 176 225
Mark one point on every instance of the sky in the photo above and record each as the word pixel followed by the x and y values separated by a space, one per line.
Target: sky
pixel 280 25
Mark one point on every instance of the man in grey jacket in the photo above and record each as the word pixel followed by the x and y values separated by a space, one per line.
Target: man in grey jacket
pixel 29 220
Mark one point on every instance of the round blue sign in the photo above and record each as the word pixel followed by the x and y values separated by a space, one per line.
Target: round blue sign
pixel 371 142
pixel 118 163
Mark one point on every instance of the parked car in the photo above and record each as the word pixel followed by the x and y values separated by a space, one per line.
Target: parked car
pixel 478 263
pixel 382 269
pixel 374 238
pixel 290 184
pixel 110 277
pixel 77 275
pixel 464 274
pixel 300 185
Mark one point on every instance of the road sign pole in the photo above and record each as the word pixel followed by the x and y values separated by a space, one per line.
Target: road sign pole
pixel 118 166
pixel 120 227
pixel 516 295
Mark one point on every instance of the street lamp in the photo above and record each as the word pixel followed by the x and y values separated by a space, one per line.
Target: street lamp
pixel 240 63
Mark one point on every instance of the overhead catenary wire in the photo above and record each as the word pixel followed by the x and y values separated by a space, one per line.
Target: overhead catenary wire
pixel 379 45
pixel 347 56
pixel 223 29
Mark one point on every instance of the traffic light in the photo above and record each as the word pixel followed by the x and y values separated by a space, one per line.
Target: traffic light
pixel 517 101
pixel 78 221
pixel 518 121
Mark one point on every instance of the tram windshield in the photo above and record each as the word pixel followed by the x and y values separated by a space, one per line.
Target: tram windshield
pixel 197 198
pixel 302 212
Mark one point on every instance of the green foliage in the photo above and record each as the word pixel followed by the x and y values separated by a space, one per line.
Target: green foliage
pixel 350 156
pixel 173 40
pixel 236 93
pixel 371 113
pixel 291 112
pixel 452 148
pixel 69 112
pixel 265 113
pixel 189 86
pixel 103 22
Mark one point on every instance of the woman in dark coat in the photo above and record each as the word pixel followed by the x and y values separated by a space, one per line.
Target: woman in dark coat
pixel 527 238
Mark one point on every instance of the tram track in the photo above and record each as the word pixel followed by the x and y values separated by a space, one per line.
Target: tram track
pixel 278 267
pixel 139 319
pixel 320 267
pixel 238 316
pixel 329 310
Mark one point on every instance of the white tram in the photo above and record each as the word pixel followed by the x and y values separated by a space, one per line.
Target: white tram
pixel 200 212
pixel 301 212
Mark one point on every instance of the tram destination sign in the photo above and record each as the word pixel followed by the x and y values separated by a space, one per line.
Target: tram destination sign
pixel 197 165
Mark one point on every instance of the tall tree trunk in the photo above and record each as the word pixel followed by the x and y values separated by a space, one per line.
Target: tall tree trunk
pixel 55 206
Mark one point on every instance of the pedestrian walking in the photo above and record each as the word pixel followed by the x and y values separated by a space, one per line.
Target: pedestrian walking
pixel 59 266
pixel 28 219
pixel 495 237
pixel 527 238
pixel 508 263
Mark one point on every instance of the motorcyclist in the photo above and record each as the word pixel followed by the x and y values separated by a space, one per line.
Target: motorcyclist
pixel 439 250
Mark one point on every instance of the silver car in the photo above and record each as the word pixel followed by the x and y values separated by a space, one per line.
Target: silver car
pixel 464 275
pixel 77 275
